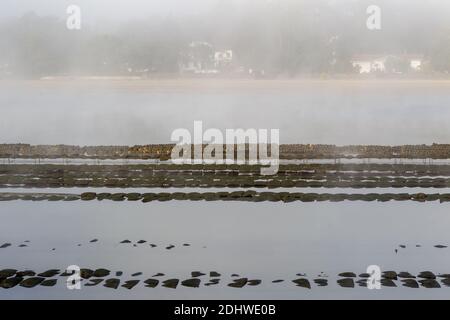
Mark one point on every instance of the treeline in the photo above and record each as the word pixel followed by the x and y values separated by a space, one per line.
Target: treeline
pixel 281 37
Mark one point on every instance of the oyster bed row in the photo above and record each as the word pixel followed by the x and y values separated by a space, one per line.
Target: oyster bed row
pixel 249 196
pixel 233 176
pixel 10 278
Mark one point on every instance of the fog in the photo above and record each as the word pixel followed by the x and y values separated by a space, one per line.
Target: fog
pixel 165 55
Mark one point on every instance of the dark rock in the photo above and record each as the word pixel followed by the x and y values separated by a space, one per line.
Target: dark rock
pixel 159 274
pixel 346 283
pixel 192 283
pixel 125 241
pixel 101 273
pixel 238 283
pixel 186 244
pixel 196 274
pixel 410 283
pixel 5 245
pixel 137 274
pixel 321 282
pixel 141 241
pixel 277 281
pixel 153 245
pixel 392 275
pixel 31 282
pixel 429 283
pixel 112 283
pixel 402 246
pixel 23 246
pixel 119 273
pixel 388 283
pixel 446 282
pixel 93 240
pixel 87 196
pixel 130 284
pixel 6 273
pixel 170 247
pixel 26 273
pixel 49 283
pixel 235 275
pixel 347 275
pixel 93 282
pixel 255 282
pixel 171 283
pixel 151 283
pixel 427 275
pixel 364 275
pixel 440 246
pixel 49 273
pixel 362 282
pixel 214 274
pixel 86 273
pixel 302 282
pixel 10 282
pixel 406 275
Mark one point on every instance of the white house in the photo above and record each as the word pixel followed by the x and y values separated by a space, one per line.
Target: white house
pixel 383 63
pixel 223 59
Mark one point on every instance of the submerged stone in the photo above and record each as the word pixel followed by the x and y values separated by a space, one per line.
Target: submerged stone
pixel 347 275
pixel 31 282
pixel 196 274
pixel 346 283
pixel 49 273
pixel 192 283
pixel 410 283
pixel 101 273
pixel 49 283
pixel 6 273
pixel 213 274
pixel 427 275
pixel 255 282
pixel 10 282
pixel 86 273
pixel 151 283
pixel 302 282
pixel 406 275
pixel 321 282
pixel 238 283
pixel 5 245
pixel 171 283
pixel 112 283
pixel 429 283
pixel 388 283
pixel 392 275
pixel 130 284
pixel 93 282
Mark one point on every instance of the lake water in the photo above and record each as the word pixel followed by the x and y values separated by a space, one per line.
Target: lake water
pixel 265 241
pixel 306 111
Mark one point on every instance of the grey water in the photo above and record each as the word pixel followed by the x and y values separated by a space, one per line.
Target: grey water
pixel 265 241
pixel 385 112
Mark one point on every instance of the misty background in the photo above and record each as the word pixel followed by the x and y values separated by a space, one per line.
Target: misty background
pixel 282 37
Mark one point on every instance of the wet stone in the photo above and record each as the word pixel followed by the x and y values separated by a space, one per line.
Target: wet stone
pixel 93 240
pixel 151 283
pixel 427 275
pixel 406 275
pixel 141 241
pixel 159 274
pixel 130 284
pixel 6 273
pixel 49 273
pixel 125 241
pixel 49 283
pixel 31 282
pixel 93 282
pixel 277 281
pixel 119 273
pixel 112 283
pixel 429 283
pixel 170 247
pixel 214 274
pixel 346 283
pixel 86 273
pixel 196 274
pixel 410 283
pixel 191 283
pixel 10 282
pixel 392 275
pixel 137 274
pixel 347 275
pixel 440 246
pixel 302 282
pixel 101 273
pixel 321 282
pixel 87 196
pixel 364 275
pixel 5 245
pixel 171 283
pixel 238 283
pixel 388 283
pixel 26 273
pixel 255 282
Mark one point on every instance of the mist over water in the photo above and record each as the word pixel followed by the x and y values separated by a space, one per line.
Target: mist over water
pixel 328 112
